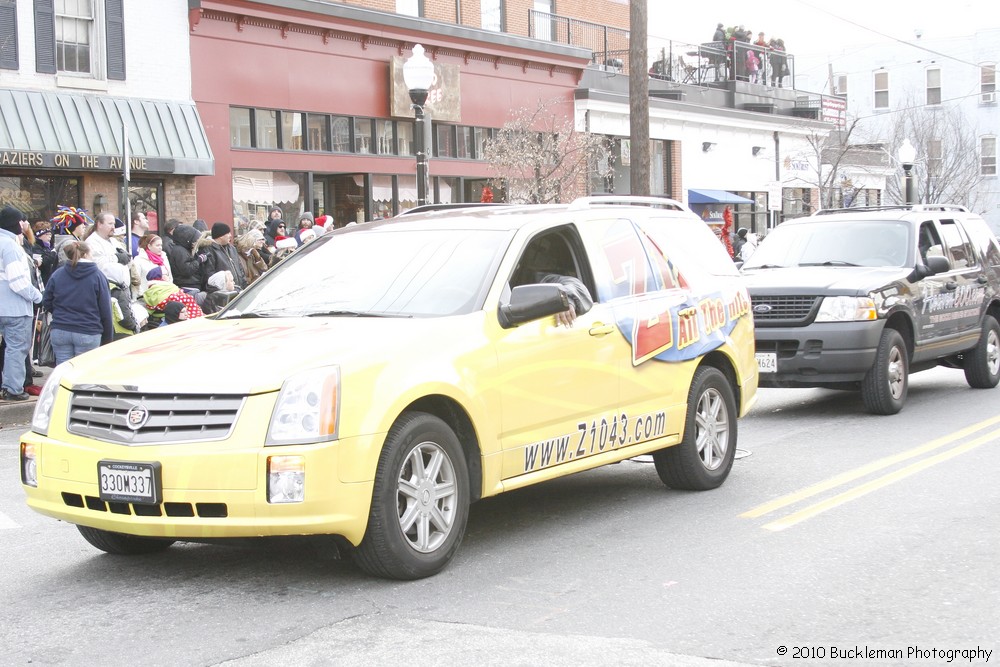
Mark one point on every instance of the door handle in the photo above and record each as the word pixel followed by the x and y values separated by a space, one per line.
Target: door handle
pixel 599 329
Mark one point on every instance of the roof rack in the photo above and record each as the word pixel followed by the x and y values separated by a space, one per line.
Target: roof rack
pixel 896 207
pixel 626 200
pixel 424 208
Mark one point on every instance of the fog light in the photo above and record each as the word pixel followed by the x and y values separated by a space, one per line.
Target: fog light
pixel 286 479
pixel 29 465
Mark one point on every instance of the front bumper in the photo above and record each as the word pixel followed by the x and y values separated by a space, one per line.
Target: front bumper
pixel 206 493
pixel 827 353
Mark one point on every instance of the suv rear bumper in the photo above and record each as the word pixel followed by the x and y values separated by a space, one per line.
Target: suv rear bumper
pixel 827 353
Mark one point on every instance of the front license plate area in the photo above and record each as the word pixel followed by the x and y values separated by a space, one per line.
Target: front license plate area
pixel 767 362
pixel 129 482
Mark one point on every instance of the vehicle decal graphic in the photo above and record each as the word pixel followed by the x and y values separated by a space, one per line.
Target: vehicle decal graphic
pixel 663 318
pixel 594 437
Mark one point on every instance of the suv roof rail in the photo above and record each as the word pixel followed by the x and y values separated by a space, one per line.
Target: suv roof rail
pixel 895 207
pixel 626 200
pixel 424 208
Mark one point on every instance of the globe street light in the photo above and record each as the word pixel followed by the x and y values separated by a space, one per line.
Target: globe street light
pixel 418 75
pixel 907 154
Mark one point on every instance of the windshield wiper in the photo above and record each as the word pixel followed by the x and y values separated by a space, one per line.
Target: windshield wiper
pixel 254 314
pixel 353 313
pixel 829 262
pixel 765 266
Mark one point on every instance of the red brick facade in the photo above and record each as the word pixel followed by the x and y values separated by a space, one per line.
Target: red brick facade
pixel 612 13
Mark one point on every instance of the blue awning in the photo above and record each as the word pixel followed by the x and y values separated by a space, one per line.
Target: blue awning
pixel 715 197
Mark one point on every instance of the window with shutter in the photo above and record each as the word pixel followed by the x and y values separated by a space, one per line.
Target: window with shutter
pixel 115 27
pixel 8 34
pixel 45 37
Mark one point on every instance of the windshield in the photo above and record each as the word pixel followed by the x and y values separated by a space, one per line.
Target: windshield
pixel 830 243
pixel 380 272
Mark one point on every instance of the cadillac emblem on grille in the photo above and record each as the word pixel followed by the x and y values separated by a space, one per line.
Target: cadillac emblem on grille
pixel 762 308
pixel 136 417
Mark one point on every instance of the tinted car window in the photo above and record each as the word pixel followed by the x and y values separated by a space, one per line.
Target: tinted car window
pixel 958 245
pixel 875 243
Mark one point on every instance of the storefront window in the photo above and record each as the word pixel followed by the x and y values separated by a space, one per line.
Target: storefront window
pixel 319 134
pixel 362 135
pixel 404 137
pixel 479 137
pixel 38 197
pixel 384 137
pixel 267 128
pixel 291 131
pixel 255 192
pixel 464 143
pixel 448 190
pixel 341 130
pixel 657 167
pixel 445 140
pixel 239 128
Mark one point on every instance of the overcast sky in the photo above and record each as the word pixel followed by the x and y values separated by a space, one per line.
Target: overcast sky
pixel 810 27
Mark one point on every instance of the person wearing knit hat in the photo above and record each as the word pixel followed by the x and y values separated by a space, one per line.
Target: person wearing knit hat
pixel 17 296
pixel 221 255
pixel 174 312
pixel 45 248
pixel 219 230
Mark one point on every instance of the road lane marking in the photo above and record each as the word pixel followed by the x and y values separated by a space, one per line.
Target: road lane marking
pixel 878 483
pixel 875 466
pixel 7 523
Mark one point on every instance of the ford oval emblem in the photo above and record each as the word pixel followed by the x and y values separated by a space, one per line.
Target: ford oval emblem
pixel 762 308
pixel 136 417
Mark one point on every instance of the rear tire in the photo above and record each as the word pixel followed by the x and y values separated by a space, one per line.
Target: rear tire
pixel 885 386
pixel 704 457
pixel 120 544
pixel 982 363
pixel 420 504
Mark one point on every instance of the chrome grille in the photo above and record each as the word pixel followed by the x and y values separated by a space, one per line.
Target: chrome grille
pixel 784 309
pixel 103 415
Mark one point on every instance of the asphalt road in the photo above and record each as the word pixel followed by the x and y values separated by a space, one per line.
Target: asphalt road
pixel 843 538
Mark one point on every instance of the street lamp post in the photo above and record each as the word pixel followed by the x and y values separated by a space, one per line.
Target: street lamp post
pixel 907 154
pixel 418 75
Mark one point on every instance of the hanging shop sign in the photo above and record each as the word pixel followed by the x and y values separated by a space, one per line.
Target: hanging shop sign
pixel 81 162
pixel 444 99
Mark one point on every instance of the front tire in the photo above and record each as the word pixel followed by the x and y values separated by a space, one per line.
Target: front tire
pixel 123 545
pixel 982 363
pixel 420 504
pixel 704 457
pixel 884 388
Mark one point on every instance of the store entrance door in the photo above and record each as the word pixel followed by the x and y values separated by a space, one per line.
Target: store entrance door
pixel 147 197
pixel 341 196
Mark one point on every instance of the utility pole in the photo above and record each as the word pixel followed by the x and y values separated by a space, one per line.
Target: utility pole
pixel 638 86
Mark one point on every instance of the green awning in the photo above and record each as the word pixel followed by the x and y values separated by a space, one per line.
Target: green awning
pixel 57 126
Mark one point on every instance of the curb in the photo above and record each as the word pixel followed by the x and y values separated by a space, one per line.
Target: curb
pixel 19 413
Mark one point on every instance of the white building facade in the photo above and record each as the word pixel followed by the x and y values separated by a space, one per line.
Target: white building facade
pixel 942 96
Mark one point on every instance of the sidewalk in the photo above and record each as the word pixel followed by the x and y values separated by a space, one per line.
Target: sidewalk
pixel 19 413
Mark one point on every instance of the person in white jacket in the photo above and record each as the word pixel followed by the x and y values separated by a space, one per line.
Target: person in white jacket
pixel 152 262
pixel 102 249
pixel 17 295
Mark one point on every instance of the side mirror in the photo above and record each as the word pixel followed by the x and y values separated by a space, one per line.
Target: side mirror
pixel 934 265
pixel 532 302
pixel 938 264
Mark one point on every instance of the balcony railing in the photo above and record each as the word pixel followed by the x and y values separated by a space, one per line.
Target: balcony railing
pixel 669 60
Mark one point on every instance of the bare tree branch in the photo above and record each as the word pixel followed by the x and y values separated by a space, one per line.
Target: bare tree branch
pixel 540 157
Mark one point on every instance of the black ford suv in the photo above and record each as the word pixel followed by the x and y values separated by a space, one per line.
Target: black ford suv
pixel 861 298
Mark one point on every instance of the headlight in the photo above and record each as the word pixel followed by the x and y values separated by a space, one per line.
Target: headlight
pixel 846 309
pixel 307 408
pixel 47 399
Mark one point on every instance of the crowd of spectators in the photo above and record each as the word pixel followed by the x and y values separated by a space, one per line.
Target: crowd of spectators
pixel 95 280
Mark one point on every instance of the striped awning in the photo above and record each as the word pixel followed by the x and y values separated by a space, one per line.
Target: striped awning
pixel 169 134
